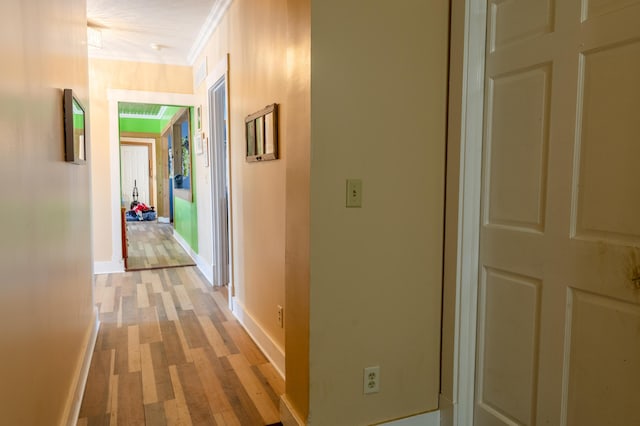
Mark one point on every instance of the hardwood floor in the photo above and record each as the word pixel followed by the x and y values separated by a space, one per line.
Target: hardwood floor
pixel 169 352
pixel 151 246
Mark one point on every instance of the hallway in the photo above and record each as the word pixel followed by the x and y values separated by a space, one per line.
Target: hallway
pixel 151 245
pixel 169 351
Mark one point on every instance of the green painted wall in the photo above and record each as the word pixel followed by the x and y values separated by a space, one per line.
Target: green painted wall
pixel 185 214
pixel 139 125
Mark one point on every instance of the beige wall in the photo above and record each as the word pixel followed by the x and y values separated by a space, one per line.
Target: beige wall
pixel 378 104
pixel 104 75
pixel 268 47
pixel 46 310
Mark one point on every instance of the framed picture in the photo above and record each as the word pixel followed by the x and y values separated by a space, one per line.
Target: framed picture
pixel 75 141
pixel 199 118
pixel 261 133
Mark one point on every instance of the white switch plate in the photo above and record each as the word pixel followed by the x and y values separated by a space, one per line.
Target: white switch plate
pixel 354 192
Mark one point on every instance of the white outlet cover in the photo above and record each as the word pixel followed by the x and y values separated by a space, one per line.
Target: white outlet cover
pixel 371 380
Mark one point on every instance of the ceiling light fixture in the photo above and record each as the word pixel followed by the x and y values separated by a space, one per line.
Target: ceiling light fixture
pixel 156 46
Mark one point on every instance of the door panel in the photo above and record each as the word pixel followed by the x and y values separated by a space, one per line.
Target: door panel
pixel 134 162
pixel 558 309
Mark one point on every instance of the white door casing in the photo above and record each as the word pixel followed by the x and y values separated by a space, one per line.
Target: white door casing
pixel 558 337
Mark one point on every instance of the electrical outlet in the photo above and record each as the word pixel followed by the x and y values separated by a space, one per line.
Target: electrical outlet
pixel 280 316
pixel 372 379
pixel 354 192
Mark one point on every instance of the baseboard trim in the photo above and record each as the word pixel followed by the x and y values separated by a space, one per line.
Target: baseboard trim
pixel 431 418
pixel 74 401
pixel 272 351
pixel 446 411
pixel 203 266
pixel 289 416
pixel 110 267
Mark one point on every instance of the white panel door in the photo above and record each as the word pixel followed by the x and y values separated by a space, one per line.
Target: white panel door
pixel 134 168
pixel 559 294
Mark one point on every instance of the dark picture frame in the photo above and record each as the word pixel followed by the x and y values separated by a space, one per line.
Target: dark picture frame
pixel 75 138
pixel 261 133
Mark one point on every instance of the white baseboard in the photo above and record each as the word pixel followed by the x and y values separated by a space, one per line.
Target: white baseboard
pixel 112 267
pixel 74 401
pixel 288 416
pixel 426 419
pixel 203 266
pixel 272 351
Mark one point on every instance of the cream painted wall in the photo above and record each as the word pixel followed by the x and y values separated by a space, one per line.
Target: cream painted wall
pixel 46 308
pixel 378 104
pixel 104 75
pixel 267 43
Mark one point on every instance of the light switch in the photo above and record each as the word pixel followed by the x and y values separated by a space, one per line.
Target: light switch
pixel 354 192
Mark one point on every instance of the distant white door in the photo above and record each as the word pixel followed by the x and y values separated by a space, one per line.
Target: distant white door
pixel 559 295
pixel 134 169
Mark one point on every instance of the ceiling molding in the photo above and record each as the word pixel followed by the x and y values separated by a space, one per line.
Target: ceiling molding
pixel 215 16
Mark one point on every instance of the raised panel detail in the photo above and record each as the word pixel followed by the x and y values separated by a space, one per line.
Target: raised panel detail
pixel 516 149
pixel 593 8
pixel 608 148
pixel 513 21
pixel 603 361
pixel 508 346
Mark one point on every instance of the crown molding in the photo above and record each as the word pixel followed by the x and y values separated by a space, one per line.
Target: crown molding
pixel 215 16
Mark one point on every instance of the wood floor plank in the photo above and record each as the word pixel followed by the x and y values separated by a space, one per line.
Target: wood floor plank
pixel 108 299
pixel 169 306
pixel 266 385
pixel 183 341
pixel 96 394
pixel 193 332
pixel 244 342
pixel 113 400
pixel 130 411
pixel 172 344
pixel 149 325
pixel 181 411
pixel 183 297
pixel 149 391
pixel 133 346
pixel 218 402
pixel 142 296
pixel 154 414
pixel 195 396
pixel 242 404
pixel 213 337
pixel 221 301
pixel 273 377
pixel 254 388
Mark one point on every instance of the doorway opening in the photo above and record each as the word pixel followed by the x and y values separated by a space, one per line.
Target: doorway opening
pixel 220 208
pixel 155 167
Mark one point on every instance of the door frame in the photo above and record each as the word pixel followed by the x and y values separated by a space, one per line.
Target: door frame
pixel 219 72
pixel 150 143
pixel 115 96
pixel 469 199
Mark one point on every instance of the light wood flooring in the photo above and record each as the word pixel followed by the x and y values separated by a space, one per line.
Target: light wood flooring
pixel 151 246
pixel 169 352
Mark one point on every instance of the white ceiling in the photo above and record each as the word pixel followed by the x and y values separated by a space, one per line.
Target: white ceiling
pixel 129 28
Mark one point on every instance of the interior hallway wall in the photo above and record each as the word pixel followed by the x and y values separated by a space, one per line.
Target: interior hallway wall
pixel 109 74
pixel 378 113
pixel 268 46
pixel 46 308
